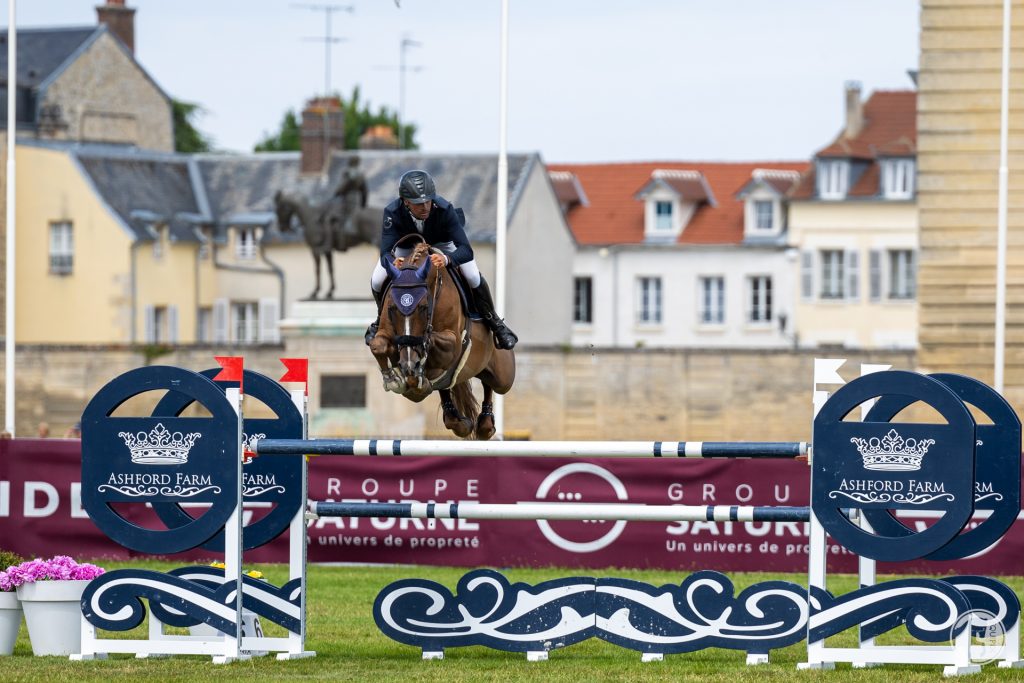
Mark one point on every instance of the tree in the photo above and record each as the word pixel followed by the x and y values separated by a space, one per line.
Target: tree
pixel 358 119
pixel 286 139
pixel 188 138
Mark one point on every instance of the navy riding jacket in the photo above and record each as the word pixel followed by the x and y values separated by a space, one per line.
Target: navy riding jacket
pixel 444 224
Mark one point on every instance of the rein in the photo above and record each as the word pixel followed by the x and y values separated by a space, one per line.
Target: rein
pixel 447 378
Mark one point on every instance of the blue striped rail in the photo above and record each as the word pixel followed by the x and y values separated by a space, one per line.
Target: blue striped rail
pixel 595 449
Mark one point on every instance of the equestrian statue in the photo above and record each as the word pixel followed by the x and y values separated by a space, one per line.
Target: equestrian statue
pixel 342 222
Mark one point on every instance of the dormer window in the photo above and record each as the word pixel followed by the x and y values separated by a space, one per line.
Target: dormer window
pixel 898 178
pixel 764 202
pixel 663 216
pixel 833 178
pixel 671 197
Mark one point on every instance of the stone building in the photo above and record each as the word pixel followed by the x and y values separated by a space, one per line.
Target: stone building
pixel 958 155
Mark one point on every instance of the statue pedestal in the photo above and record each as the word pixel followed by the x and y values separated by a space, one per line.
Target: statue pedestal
pixel 329 317
pixel 330 334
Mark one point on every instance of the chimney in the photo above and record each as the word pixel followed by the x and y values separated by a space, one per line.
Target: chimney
pixel 854 110
pixel 120 20
pixel 323 129
pixel 378 137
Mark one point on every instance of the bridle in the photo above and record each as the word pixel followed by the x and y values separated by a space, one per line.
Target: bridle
pixel 406 303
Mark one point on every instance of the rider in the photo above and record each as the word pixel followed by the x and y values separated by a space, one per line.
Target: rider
pixel 419 209
pixel 352 194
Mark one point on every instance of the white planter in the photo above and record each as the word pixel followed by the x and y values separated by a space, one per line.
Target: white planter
pixel 53 614
pixel 10 621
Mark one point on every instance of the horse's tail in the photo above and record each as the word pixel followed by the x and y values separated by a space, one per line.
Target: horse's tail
pixel 465 402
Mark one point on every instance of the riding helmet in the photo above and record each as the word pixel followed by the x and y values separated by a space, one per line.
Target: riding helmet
pixel 417 187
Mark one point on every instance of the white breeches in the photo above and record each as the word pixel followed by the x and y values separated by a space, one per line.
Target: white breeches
pixel 469 270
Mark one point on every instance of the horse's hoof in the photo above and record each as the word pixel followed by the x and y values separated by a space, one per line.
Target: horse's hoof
pixel 462 428
pixel 483 433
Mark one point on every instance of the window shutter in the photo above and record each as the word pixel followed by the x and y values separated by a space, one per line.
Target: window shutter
pixel 807 275
pixel 150 332
pixel 912 274
pixel 172 324
pixel 751 298
pixel 875 274
pixel 268 321
pixel 852 276
pixel 220 321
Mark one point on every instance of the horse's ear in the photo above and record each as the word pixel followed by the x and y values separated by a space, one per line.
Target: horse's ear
pixel 424 269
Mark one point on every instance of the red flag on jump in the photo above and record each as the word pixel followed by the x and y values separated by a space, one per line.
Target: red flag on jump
pixel 298 371
pixel 232 369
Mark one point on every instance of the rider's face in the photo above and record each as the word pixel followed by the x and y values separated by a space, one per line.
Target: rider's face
pixel 420 211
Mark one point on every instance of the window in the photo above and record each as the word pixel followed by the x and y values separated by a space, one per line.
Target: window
pixel 204 325
pixel 161 324
pixel 760 298
pixel 648 309
pixel 898 178
pixel 582 297
pixel 764 214
pixel 342 391
pixel 902 274
pixel 712 300
pixel 244 321
pixel 833 178
pixel 157 332
pixel 663 216
pixel 245 244
pixel 62 248
pixel 832 274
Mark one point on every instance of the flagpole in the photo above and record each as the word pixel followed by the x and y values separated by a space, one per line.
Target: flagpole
pixel 9 292
pixel 502 223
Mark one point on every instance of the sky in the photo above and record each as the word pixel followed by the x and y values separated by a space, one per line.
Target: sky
pixel 596 81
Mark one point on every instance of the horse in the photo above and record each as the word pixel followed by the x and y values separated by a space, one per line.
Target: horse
pixel 323 229
pixel 426 342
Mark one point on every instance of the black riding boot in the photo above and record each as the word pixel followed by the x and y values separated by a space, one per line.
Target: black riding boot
pixel 504 338
pixel 371 331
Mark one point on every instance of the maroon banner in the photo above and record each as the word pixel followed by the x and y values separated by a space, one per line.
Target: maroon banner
pixel 41 514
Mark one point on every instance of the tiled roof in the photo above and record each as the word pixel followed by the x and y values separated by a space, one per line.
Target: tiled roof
pixel 688 184
pixel 616 216
pixel 890 122
pixel 41 51
pixel 143 186
pixel 890 129
pixel 567 189
pixel 781 182
pixel 246 184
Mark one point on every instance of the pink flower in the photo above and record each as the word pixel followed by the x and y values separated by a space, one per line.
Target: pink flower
pixel 59 568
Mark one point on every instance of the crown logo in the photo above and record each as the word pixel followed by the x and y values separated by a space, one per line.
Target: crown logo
pixel 892 452
pixel 159 447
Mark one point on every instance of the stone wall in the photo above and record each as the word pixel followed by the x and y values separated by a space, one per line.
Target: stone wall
pixel 743 395
pixel 958 157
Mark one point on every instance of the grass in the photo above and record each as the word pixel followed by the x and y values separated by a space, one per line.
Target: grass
pixel 350 648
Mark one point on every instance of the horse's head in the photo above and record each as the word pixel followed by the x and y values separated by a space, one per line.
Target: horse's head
pixel 284 210
pixel 411 313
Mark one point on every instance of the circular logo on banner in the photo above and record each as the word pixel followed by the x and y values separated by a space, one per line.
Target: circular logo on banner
pixel 147 461
pixel 573 471
pixel 406 300
pixel 900 466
